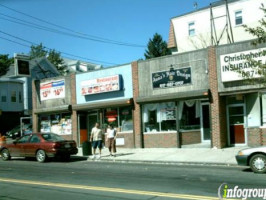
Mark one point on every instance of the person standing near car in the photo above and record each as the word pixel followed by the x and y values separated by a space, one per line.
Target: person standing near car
pixel 96 139
pixel 111 136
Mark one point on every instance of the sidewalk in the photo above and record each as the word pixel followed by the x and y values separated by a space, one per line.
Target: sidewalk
pixel 202 156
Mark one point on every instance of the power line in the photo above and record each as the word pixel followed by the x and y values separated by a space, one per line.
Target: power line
pixel 64 53
pixel 76 34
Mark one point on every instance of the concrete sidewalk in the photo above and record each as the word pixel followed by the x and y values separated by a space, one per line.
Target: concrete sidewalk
pixel 203 156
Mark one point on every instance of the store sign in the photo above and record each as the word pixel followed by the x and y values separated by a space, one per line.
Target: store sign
pixel 101 85
pixel 171 78
pixel 238 66
pixel 52 90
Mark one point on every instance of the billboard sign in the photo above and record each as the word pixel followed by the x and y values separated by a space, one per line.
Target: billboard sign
pixel 52 90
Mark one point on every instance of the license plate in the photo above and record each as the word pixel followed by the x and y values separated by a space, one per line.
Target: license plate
pixel 67 145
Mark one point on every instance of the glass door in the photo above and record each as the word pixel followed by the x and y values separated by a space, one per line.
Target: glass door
pixel 236 124
pixel 205 122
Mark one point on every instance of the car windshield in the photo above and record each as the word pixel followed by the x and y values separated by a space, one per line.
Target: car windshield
pixel 51 137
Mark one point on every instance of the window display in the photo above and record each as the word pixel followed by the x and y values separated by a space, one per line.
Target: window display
pixel 159 117
pixel 189 114
pixel 60 124
pixel 120 118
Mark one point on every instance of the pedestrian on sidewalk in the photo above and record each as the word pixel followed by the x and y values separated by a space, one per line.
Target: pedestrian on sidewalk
pixel 96 139
pixel 110 139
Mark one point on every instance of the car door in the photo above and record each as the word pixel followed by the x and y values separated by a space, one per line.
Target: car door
pixel 31 147
pixel 18 148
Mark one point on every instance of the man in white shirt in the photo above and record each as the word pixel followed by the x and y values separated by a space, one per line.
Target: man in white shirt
pixel 96 139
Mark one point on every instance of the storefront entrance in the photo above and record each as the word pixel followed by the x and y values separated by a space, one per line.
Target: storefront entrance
pixel 236 124
pixel 86 122
pixel 205 122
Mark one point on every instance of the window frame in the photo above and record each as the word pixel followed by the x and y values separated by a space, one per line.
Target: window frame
pixel 238 17
pixel 191 29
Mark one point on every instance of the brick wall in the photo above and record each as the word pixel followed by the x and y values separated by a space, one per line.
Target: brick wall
pixel 138 139
pixel 263 136
pixel 74 116
pixel 34 106
pixel 160 140
pixel 129 139
pixel 254 137
pixel 218 104
pixel 193 137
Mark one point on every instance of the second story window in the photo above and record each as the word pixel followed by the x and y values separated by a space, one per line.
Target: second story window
pixel 191 29
pixel 13 96
pixel 3 96
pixel 238 17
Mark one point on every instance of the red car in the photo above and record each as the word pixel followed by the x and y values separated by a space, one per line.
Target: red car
pixel 39 145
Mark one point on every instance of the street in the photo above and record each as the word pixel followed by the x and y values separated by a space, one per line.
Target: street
pixel 81 179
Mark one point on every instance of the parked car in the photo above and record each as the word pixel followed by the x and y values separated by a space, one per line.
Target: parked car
pixel 39 145
pixel 253 157
pixel 15 132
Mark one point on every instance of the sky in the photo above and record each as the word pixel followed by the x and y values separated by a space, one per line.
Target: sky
pixel 87 29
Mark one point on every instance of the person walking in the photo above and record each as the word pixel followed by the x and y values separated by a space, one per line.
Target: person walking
pixel 111 136
pixel 96 139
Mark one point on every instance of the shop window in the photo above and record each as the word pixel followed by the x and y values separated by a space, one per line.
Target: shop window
pixel 238 17
pixel 13 96
pixel 60 124
pixel 189 115
pixel 126 122
pixel 159 117
pixel 120 118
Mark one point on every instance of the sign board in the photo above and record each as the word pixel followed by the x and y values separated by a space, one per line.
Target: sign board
pixel 22 65
pixel 52 90
pixel 240 65
pixel 101 85
pixel 171 78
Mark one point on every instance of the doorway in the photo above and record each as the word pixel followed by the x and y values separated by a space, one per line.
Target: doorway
pixel 205 122
pixel 86 121
pixel 236 124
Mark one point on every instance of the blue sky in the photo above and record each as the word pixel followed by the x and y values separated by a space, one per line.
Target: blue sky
pixel 126 21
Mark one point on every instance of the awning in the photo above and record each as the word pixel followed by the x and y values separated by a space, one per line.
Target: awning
pixel 175 96
pixel 64 108
pixel 103 104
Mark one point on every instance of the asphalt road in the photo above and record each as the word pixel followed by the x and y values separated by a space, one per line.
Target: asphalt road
pixel 81 179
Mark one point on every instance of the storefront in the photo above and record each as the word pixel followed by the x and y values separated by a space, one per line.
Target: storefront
pixel 106 96
pixel 52 106
pixel 174 99
pixel 244 97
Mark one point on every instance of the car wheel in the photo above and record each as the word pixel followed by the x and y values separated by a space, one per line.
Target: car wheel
pixel 258 163
pixel 5 155
pixel 41 156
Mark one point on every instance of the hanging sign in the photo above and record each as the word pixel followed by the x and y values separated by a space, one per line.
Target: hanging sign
pixel 101 85
pixel 52 90
pixel 171 78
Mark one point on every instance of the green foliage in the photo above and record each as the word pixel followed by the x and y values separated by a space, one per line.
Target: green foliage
pixel 53 56
pixel 260 33
pixel 5 62
pixel 156 47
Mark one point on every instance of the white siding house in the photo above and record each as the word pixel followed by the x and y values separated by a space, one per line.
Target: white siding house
pixel 193 30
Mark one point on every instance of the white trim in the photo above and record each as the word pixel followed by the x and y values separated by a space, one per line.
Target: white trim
pixel 164 132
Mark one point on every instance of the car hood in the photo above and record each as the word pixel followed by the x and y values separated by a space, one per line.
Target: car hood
pixel 254 149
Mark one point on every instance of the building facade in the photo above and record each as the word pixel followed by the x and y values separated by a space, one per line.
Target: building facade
pixel 220 23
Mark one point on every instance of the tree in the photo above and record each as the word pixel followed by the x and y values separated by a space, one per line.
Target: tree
pixel 5 62
pixel 156 47
pixel 52 55
pixel 260 33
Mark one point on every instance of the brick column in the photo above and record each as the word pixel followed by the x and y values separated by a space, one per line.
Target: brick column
pixel 74 116
pixel 136 112
pixel 34 106
pixel 218 104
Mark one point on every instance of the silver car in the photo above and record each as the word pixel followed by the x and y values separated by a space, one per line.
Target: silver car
pixel 253 157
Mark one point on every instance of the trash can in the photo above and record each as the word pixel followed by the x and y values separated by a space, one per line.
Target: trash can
pixel 86 148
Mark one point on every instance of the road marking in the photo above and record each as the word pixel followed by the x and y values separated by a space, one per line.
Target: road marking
pixel 107 189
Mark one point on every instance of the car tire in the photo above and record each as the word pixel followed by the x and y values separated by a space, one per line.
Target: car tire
pixel 258 163
pixel 5 155
pixel 41 156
